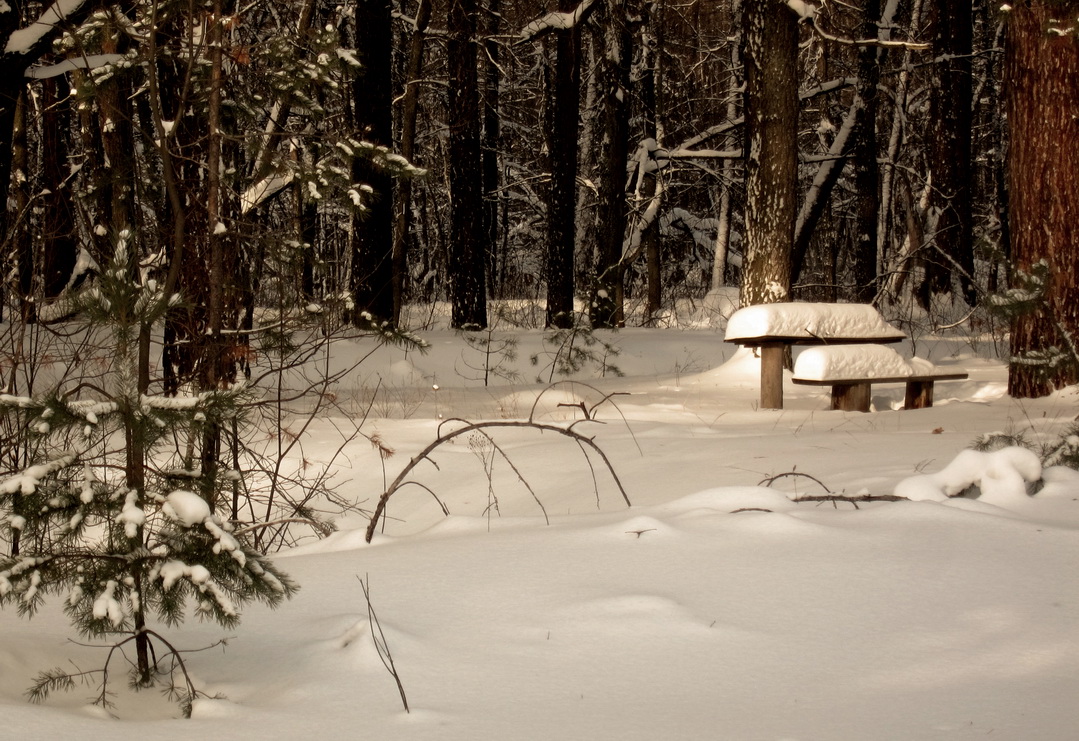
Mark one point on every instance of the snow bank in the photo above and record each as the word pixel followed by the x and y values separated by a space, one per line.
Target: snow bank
pixel 809 320
pixel 1059 481
pixel 1001 477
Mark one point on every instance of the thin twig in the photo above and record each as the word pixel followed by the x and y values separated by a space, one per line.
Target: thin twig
pixel 467 427
pixel 772 479
pixel 382 648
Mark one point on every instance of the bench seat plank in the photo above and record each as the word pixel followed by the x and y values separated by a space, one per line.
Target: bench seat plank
pixel 853 394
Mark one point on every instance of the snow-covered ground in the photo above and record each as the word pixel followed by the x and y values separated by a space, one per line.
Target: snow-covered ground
pixel 713 608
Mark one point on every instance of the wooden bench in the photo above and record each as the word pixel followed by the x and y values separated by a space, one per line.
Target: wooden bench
pixel 853 394
pixel 852 370
pixel 785 325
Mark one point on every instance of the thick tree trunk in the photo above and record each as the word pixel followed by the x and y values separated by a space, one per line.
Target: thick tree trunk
pixel 863 263
pixel 951 251
pixel 372 98
pixel 413 72
pixel 562 126
pixel 1041 74
pixel 611 148
pixel 468 281
pixel 55 262
pixel 771 104
pixel 492 134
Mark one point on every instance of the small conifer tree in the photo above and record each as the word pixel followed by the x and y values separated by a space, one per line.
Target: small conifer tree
pixel 96 520
pixel 1028 295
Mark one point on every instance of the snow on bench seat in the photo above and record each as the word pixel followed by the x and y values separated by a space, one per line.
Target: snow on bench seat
pixel 851 370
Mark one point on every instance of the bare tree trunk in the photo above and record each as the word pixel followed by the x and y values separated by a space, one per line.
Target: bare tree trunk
pixel 1041 74
pixel 723 232
pixel 468 280
pixel 372 232
pixel 952 246
pixel 611 149
pixel 863 263
pixel 771 103
pixel 55 262
pixel 492 134
pixel 413 71
pixel 562 126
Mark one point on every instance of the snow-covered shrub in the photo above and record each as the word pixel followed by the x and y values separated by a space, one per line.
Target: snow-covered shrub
pixel 1062 452
pixel 1000 477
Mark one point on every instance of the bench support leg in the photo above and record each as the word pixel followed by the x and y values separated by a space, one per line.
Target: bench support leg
pixel 772 355
pixel 919 395
pixel 851 397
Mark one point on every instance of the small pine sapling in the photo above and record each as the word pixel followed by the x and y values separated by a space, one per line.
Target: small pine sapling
pixel 496 355
pixel 1028 295
pixel 570 350
pixel 95 519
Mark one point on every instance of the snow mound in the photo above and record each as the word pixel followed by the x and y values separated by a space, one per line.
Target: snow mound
pixel 728 499
pixel 1001 477
pixel 809 320
pixel 1059 481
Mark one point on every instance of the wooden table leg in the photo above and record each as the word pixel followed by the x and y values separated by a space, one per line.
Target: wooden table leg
pixel 919 395
pixel 772 354
pixel 851 397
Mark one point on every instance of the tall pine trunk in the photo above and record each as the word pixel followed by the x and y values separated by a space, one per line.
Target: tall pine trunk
pixel 611 149
pixel 372 232
pixel 951 252
pixel 468 279
pixel 1041 76
pixel 866 173
pixel 771 104
pixel 409 104
pixel 562 128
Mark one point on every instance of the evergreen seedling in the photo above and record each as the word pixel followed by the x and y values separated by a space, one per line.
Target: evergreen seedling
pixel 95 520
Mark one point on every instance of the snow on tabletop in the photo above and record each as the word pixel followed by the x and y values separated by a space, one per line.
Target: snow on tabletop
pixel 849 321
pixel 853 361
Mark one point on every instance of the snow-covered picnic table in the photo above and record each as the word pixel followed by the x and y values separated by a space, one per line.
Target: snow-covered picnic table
pixel 772 328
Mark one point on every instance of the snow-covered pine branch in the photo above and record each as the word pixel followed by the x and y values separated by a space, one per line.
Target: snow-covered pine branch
pixel 556 21
pixel 889 43
pixel 23 40
pixel 88 62
pixel 29 479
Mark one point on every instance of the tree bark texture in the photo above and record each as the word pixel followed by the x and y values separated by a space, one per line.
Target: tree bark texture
pixel 492 134
pixel 409 104
pixel 55 259
pixel 372 98
pixel 562 126
pixel 771 104
pixel 866 173
pixel 1041 73
pixel 468 282
pixel 611 149
pixel 951 252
